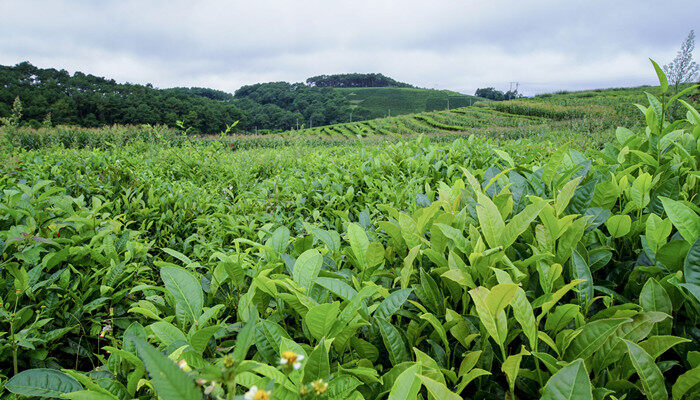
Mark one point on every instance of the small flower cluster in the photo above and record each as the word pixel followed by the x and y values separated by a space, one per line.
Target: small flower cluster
pixel 105 330
pixel 318 387
pixel 291 359
pixel 209 388
pixel 183 366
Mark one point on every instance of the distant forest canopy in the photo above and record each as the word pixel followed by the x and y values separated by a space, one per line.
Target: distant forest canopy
pixel 92 101
pixel 51 96
pixel 355 80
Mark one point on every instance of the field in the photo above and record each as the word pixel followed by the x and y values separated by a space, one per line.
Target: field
pixel 379 100
pixel 519 250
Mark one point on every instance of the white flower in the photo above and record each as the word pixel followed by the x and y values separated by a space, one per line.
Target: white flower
pixel 250 394
pixel 257 394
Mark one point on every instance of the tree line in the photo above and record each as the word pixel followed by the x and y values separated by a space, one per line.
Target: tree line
pixel 87 100
pixel 54 97
pixel 58 98
pixel 355 80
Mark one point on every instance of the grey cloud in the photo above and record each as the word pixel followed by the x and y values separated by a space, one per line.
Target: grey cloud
pixel 461 45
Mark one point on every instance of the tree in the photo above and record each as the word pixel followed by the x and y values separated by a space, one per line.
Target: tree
pixel 683 69
pixel 490 93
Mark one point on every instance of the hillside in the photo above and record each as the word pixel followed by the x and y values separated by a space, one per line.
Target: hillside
pixel 584 115
pixel 382 101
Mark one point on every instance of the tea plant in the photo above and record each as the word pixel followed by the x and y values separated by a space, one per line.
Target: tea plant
pixel 470 268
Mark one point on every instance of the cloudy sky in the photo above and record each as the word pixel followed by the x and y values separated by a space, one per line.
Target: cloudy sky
pixel 459 45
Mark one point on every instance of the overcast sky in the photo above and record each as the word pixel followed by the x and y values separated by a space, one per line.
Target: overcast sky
pixel 459 45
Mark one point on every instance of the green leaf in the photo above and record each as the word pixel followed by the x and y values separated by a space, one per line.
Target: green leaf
pixel 549 361
pixel 330 238
pixel 438 389
pixel 338 287
pixel 186 289
pixel 42 382
pixel 21 280
pixel 500 296
pixel 522 311
pixel 394 343
pixel 319 319
pixel 375 254
pixel 168 379
pixel 511 367
pixel 167 333
pixel 554 164
pixel 278 240
pixel 685 382
pixel 245 338
pixel 518 224
pixel 684 219
pixel 438 328
pixel 565 194
pixel 663 81
pixel 691 267
pixel 592 337
pixel 359 244
pixel 653 297
pixel 176 254
pixel 89 395
pixel 407 384
pixel 201 337
pixel 657 231
pixel 657 345
pixel 490 219
pixel 580 270
pixel 649 374
pixel 570 383
pixel 478 296
pixel 619 225
pixel 317 365
pixel 392 303
pixel 307 267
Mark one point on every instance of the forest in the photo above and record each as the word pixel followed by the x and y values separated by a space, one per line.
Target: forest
pixel 54 97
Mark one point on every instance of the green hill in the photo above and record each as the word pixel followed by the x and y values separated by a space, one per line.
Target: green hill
pixel 585 115
pixel 377 102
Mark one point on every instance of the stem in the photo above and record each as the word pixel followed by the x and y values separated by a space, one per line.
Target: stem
pixel 12 336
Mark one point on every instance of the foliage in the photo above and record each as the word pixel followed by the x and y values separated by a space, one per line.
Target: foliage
pixel 355 80
pixel 92 101
pixel 497 95
pixel 472 268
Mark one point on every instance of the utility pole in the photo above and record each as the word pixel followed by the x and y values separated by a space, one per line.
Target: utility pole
pixel 311 122
pixel 390 112
pixel 510 89
pixel 297 123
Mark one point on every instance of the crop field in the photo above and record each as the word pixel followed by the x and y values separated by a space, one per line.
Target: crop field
pixel 379 101
pixel 588 114
pixel 535 248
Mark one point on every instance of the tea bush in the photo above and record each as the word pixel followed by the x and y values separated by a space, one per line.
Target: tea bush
pixel 463 268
